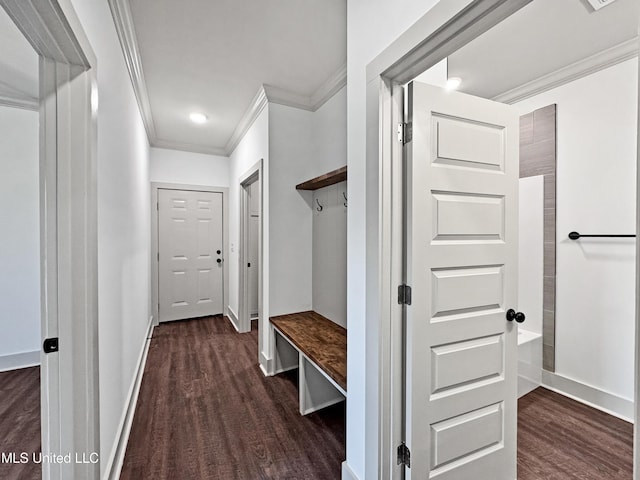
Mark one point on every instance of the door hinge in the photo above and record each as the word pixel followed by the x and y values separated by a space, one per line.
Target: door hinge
pixel 405 132
pixel 404 294
pixel 404 455
pixel 50 345
pixel 158 256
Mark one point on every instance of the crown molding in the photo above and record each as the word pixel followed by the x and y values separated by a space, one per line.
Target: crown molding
pixel 330 87
pixel 601 60
pixel 123 20
pixel 189 147
pixel 250 115
pixel 14 98
pixel 312 102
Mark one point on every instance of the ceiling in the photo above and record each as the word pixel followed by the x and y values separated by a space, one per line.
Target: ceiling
pixel 18 64
pixel 213 56
pixel 540 39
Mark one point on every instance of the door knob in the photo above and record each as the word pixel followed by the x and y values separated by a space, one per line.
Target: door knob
pixel 512 315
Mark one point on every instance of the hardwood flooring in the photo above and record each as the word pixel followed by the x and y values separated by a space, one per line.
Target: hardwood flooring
pixel 20 422
pixel 561 439
pixel 322 340
pixel 206 411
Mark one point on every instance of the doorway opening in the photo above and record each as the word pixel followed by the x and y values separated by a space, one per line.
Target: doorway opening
pixel 580 108
pixel 250 251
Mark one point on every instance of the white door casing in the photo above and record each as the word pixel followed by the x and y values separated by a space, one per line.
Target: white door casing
pixel 461 235
pixel 190 246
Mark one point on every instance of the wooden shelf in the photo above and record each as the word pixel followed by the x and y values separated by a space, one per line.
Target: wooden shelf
pixel 336 176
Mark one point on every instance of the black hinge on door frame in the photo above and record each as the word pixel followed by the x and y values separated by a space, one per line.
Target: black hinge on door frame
pixel 50 345
pixel 405 132
pixel 404 295
pixel 404 455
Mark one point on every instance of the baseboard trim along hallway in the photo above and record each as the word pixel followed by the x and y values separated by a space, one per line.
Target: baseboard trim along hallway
pixel 116 459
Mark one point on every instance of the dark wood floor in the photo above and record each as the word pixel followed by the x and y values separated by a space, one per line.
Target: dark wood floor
pixel 20 421
pixel 206 411
pixel 561 439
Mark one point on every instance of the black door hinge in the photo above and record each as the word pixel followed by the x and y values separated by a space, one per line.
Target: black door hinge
pixel 50 345
pixel 404 294
pixel 404 455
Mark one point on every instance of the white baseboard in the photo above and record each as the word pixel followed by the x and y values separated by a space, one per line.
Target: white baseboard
pixel 607 402
pixel 15 361
pixel 234 319
pixel 116 459
pixel 266 365
pixel 347 473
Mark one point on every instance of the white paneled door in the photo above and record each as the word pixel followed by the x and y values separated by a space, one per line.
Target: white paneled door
pixel 190 268
pixel 462 228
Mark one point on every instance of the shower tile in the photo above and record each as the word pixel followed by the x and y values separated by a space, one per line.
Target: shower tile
pixel 550 191
pixel 537 159
pixel 548 327
pixel 549 254
pixel 548 358
pixel 549 293
pixel 526 129
pixel 549 225
pixel 544 124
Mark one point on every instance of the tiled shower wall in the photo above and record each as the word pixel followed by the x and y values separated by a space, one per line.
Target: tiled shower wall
pixel 538 157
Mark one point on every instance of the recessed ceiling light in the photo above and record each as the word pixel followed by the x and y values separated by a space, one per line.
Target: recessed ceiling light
pixel 197 117
pixel 453 83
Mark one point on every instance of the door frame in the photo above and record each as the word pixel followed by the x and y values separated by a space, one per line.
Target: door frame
pixel 254 174
pixel 68 231
pixel 155 186
pixel 441 31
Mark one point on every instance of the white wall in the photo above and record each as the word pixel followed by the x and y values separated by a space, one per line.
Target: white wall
pixel 290 163
pixel 253 147
pixel 371 26
pixel 20 239
pixel 123 224
pixel 329 251
pixel 329 270
pixel 176 166
pixel 596 192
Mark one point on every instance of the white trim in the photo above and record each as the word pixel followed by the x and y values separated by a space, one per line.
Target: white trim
pixel 155 186
pixel 594 397
pixel 266 364
pixel 599 61
pixel 123 21
pixel 116 459
pixel 233 318
pixel 15 98
pixel 188 147
pixel 15 361
pixel 330 87
pixel 347 473
pixel 250 115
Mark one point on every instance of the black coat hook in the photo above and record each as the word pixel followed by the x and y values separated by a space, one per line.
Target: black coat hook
pixel 320 207
pixel 345 199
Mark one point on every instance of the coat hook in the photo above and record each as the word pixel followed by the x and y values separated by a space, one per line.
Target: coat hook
pixel 345 199
pixel 320 207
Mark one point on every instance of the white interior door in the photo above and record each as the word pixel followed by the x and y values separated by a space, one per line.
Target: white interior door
pixel 462 227
pixel 190 254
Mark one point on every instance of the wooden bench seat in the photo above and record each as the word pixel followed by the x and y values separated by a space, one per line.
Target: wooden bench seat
pixel 322 347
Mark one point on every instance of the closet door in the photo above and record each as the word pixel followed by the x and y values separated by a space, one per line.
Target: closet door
pixel 190 254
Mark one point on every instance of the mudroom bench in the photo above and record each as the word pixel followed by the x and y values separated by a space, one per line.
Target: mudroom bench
pixel 318 347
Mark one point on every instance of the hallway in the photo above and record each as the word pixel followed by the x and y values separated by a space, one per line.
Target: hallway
pixel 206 411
